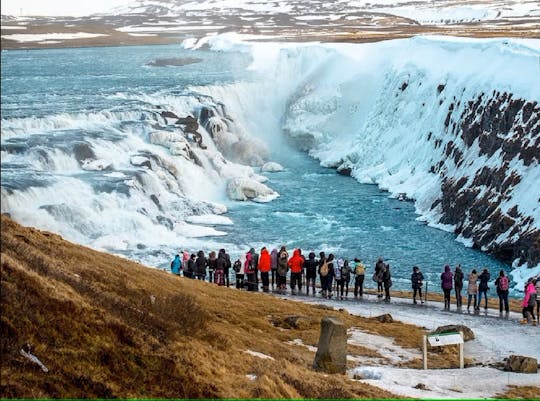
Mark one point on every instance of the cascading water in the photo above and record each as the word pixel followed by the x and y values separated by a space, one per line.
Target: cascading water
pixel 104 161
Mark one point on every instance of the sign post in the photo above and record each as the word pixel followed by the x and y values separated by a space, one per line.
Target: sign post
pixel 442 339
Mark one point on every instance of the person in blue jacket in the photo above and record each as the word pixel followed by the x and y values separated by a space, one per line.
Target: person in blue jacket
pixel 176 265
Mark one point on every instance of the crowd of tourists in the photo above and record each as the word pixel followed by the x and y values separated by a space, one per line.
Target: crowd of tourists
pixel 269 271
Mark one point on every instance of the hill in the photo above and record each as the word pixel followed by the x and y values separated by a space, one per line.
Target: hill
pixel 108 327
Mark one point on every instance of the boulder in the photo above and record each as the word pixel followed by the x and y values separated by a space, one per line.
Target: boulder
pixel 386 318
pixel 95 165
pixel 292 322
pixel 272 167
pixel 467 333
pixel 521 364
pixel 331 356
pixel 243 189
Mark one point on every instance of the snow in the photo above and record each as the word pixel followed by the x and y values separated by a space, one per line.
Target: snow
pixel 495 339
pixel 211 219
pixel 27 37
pixel 258 354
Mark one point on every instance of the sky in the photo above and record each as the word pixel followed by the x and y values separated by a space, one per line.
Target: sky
pixel 58 7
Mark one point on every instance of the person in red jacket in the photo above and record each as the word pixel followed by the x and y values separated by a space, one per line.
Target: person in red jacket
pixel 296 263
pixel 265 264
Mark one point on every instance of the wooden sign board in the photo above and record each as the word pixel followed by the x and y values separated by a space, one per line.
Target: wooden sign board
pixel 436 340
pixel 442 339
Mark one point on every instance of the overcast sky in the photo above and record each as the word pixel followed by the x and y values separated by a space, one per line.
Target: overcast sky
pixel 58 7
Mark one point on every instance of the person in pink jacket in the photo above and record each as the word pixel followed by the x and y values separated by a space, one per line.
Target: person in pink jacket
pixel 529 302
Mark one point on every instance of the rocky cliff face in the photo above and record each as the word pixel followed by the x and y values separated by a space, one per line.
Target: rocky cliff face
pixel 506 130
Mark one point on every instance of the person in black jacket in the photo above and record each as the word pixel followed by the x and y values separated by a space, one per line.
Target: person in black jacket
pixel 483 287
pixel 417 281
pixel 387 282
pixel 458 285
pixel 200 266
pixel 228 265
pixel 310 265
pixel 189 270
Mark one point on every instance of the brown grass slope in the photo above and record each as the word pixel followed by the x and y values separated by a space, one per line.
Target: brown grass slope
pixel 108 327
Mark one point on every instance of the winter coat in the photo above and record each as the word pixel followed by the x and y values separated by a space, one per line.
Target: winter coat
pixel 311 267
pixel 176 265
pixel 265 262
pixel 296 262
pixel 249 266
pixel 242 264
pixel 458 278
pixel 530 292
pixel 331 269
pixel 212 263
pixel 221 262
pixel 416 280
pixel 273 259
pixel 346 273
pixel 379 270
pixel 386 277
pixel 200 264
pixel 472 288
pixel 282 263
pixel 484 280
pixel 254 258
pixel 447 278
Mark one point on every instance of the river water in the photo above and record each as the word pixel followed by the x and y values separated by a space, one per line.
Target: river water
pixel 55 99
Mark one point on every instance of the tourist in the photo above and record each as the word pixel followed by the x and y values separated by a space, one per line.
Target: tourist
pixel 219 271
pixel 249 270
pixel 200 266
pixel 447 278
pixel 176 265
pixel 238 268
pixel 537 286
pixel 265 264
pixel 377 276
pixel 472 289
pixel 228 264
pixel 345 278
pixel 359 275
pixel 310 266
pixel 483 287
pixel 296 263
pixel 329 277
pixel 255 263
pixel 502 285
pixel 212 260
pixel 337 276
pixel 417 279
pixel 387 282
pixel 529 302
pixel 273 265
pixel 458 285
pixel 189 269
pixel 282 269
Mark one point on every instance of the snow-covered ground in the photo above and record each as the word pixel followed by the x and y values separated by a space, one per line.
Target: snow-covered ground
pixel 495 339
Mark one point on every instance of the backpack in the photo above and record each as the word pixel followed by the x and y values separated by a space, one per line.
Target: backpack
pixel 532 300
pixel 503 283
pixel 324 269
pixel 236 266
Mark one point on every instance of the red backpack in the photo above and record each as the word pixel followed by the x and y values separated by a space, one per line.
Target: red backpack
pixel 503 283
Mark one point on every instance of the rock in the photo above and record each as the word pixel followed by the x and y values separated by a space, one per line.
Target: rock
pixel 292 322
pixel 468 334
pixel 386 318
pixel 421 386
pixel 272 167
pixel 243 189
pixel 331 354
pixel 140 161
pixel 95 165
pixel 521 364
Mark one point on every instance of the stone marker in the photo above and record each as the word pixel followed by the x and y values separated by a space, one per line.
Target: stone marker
pixel 521 364
pixel 331 354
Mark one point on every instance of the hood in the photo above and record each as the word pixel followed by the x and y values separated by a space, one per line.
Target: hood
pixel 446 269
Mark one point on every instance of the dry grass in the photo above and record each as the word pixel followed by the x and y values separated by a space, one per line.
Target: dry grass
pixel 108 327
pixel 522 393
